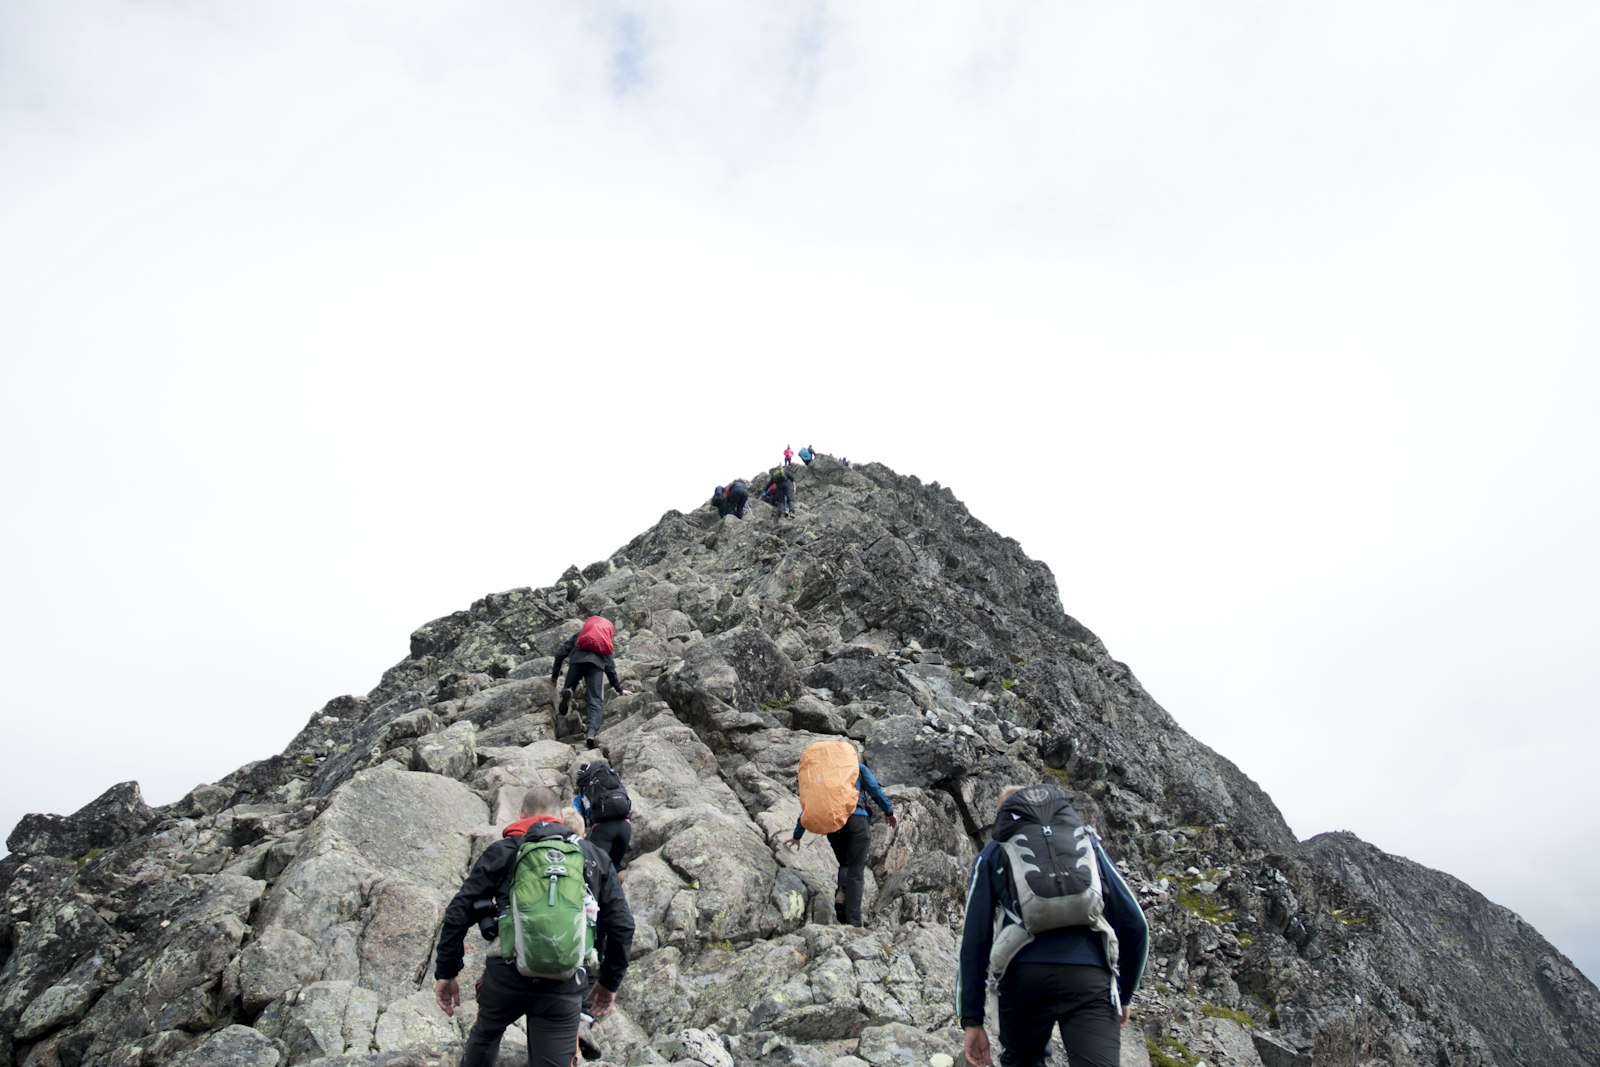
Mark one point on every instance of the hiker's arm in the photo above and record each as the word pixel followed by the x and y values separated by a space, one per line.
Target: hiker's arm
pixel 481 883
pixel 875 791
pixel 977 933
pixel 616 927
pixel 611 673
pixel 1127 919
pixel 799 832
pixel 561 654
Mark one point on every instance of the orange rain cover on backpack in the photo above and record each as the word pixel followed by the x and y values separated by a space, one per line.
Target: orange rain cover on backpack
pixel 828 790
pixel 596 635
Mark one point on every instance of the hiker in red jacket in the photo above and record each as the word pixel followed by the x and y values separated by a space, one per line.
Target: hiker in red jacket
pixel 788 455
pixel 589 651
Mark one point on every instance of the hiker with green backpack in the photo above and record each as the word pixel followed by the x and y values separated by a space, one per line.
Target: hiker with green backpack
pixel 546 901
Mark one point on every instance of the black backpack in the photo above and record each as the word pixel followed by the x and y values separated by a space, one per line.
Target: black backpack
pixel 1050 856
pixel 603 789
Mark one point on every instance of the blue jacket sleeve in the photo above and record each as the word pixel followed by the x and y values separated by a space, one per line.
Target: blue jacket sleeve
pixel 977 936
pixel 580 804
pixel 870 786
pixel 1127 919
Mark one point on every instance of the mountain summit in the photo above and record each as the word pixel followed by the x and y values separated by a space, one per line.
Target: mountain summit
pixel 287 914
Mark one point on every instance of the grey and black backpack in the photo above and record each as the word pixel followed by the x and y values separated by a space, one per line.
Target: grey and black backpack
pixel 1050 856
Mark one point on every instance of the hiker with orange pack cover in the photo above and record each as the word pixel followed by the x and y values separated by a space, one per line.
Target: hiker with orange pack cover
pixel 589 655
pixel 834 787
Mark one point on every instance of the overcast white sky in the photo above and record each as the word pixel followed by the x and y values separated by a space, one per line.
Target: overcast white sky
pixel 1270 328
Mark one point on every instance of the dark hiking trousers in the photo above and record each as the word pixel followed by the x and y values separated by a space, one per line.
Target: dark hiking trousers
pixel 850 843
pixel 504 996
pixel 593 677
pixel 1035 998
pixel 612 836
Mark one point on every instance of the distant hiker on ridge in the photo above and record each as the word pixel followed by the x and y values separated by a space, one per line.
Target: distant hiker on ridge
pixel 834 787
pixel 539 957
pixel 731 501
pixel 590 650
pixel 1069 952
pixel 806 454
pixel 780 492
pixel 788 455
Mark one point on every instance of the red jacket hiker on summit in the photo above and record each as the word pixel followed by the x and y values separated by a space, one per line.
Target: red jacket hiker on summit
pixel 590 651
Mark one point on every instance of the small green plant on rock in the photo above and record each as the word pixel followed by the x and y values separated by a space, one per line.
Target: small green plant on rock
pixel 1169 1052
pixel 1348 916
pixel 90 856
pixel 1217 1011
pixel 1007 683
pixel 1058 774
pixel 721 946
pixel 1202 904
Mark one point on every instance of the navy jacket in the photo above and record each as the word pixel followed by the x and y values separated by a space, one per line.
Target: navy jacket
pixel 990 888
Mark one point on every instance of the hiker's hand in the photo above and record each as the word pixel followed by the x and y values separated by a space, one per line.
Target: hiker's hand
pixel 554 678
pixel 792 842
pixel 448 993
pixel 975 1043
pixel 624 692
pixel 1127 1013
pixel 600 1001
pixel 892 821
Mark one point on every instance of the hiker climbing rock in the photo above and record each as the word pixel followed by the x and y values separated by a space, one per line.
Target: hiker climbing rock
pixel 590 652
pixel 806 454
pixel 731 500
pixel 538 883
pixel 834 787
pixel 604 803
pixel 1070 944
pixel 780 492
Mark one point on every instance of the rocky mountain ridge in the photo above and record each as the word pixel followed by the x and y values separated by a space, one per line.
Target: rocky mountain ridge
pixel 287 914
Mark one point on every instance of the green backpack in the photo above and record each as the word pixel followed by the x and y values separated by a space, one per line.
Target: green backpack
pixel 546 931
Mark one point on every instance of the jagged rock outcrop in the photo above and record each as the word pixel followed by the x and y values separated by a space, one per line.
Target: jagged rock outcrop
pixel 287 914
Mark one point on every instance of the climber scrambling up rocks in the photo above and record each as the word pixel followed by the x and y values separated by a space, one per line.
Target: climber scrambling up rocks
pixel 589 652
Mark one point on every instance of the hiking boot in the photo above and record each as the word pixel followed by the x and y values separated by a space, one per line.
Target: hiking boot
pixel 838 907
pixel 566 700
pixel 589 741
pixel 586 1046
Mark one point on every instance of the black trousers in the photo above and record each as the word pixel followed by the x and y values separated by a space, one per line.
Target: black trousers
pixel 504 996
pixel 612 836
pixel 593 677
pixel 1036 998
pixel 850 844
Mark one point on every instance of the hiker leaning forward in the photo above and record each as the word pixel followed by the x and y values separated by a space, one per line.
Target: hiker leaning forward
pixel 851 843
pixel 553 1007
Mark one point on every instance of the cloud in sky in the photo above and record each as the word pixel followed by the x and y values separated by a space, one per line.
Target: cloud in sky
pixel 1269 329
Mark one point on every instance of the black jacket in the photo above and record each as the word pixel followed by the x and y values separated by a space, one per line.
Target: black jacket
pixel 490 879
pixel 569 647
